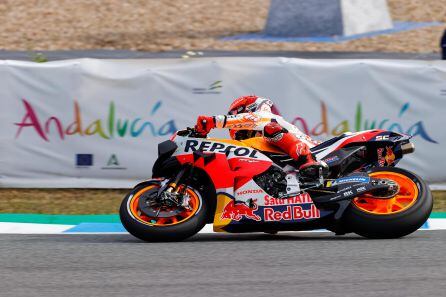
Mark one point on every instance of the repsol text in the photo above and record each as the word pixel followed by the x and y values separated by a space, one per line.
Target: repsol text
pixel 216 147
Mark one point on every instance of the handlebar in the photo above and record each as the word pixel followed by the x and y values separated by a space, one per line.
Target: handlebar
pixel 191 132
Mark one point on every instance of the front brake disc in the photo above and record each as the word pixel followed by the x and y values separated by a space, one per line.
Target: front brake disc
pixel 153 207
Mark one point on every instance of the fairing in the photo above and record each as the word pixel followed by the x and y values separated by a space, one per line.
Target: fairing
pixel 244 204
pixel 241 203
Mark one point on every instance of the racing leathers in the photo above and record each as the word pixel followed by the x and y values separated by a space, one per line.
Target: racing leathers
pixel 272 127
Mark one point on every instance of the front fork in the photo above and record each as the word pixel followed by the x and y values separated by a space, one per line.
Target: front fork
pixel 172 184
pixel 173 190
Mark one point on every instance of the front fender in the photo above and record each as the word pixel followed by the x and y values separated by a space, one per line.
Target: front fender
pixel 166 167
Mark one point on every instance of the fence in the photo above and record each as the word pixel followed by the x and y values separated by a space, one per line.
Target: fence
pixel 96 123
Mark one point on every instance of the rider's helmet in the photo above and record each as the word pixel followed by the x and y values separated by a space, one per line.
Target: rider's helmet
pixel 246 104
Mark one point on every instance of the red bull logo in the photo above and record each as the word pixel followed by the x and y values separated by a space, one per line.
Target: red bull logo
pixel 291 213
pixel 236 211
pixel 390 156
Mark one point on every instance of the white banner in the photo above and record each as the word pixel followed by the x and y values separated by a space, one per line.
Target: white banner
pixel 97 123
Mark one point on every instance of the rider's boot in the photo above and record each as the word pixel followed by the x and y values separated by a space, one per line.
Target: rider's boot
pixel 296 149
pixel 312 168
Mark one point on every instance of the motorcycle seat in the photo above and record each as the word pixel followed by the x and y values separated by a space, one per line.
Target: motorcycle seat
pixel 327 143
pixel 260 144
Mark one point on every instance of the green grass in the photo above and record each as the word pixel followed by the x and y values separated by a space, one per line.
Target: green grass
pixel 439 201
pixel 61 201
pixel 91 201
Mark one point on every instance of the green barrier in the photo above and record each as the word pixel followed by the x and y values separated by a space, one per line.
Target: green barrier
pixel 438 215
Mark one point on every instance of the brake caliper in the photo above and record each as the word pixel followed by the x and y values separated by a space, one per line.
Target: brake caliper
pixel 384 192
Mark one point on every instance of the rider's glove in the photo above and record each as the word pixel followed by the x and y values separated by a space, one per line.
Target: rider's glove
pixel 204 124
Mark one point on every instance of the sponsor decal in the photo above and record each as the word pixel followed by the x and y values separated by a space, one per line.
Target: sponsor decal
pixel 299 199
pixel 236 211
pixel 213 88
pixel 347 193
pixel 84 160
pixel 248 160
pixel 351 179
pixel 387 158
pixel 251 117
pixel 382 137
pixel 246 192
pixel 381 160
pixel 331 159
pixel 108 127
pixel 361 189
pixel 113 163
pixel 207 146
pixel 390 156
pixel 247 125
pixel 290 213
pixel 276 138
pixel 335 197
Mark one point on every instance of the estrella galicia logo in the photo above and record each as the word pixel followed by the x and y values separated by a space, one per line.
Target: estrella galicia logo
pixel 113 163
pixel 84 160
pixel 213 88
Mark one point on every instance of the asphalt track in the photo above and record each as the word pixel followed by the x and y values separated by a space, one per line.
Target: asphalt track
pixel 289 264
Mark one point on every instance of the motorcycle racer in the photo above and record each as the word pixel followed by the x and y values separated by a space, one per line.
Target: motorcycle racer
pixel 251 116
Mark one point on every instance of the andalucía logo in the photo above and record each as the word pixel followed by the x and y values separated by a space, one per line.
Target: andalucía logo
pixel 323 128
pixel 213 88
pixel 108 127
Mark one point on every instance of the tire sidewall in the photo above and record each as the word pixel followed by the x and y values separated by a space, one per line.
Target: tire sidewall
pixel 392 225
pixel 162 233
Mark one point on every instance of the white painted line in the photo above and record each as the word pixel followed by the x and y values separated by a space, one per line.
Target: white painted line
pixel 437 224
pixel 29 228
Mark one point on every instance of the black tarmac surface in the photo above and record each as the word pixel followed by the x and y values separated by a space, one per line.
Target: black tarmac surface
pixel 289 264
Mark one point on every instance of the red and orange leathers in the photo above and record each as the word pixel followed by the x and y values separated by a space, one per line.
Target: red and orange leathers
pixel 253 113
pixel 273 127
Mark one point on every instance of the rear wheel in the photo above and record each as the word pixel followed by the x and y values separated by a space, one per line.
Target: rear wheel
pixel 150 218
pixel 398 216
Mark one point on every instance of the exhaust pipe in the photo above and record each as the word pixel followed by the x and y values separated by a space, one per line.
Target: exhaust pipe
pixel 408 148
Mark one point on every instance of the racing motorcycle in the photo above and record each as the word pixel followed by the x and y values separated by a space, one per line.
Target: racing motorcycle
pixel 251 186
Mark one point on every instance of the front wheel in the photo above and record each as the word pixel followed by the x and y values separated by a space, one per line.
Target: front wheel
pixel 398 216
pixel 149 218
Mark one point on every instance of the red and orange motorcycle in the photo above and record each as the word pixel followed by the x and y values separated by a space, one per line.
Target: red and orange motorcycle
pixel 251 186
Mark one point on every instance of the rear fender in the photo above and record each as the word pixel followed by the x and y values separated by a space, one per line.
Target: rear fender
pixel 375 137
pixel 382 148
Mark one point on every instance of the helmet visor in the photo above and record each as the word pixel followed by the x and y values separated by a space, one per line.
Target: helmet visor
pixel 237 110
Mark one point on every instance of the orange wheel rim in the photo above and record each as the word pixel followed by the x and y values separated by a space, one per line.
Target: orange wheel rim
pixel 404 199
pixel 194 203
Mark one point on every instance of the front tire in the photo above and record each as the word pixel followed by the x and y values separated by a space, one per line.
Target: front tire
pixel 396 217
pixel 170 229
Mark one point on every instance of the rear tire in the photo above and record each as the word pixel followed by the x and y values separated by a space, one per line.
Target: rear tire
pixel 155 233
pixel 392 225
